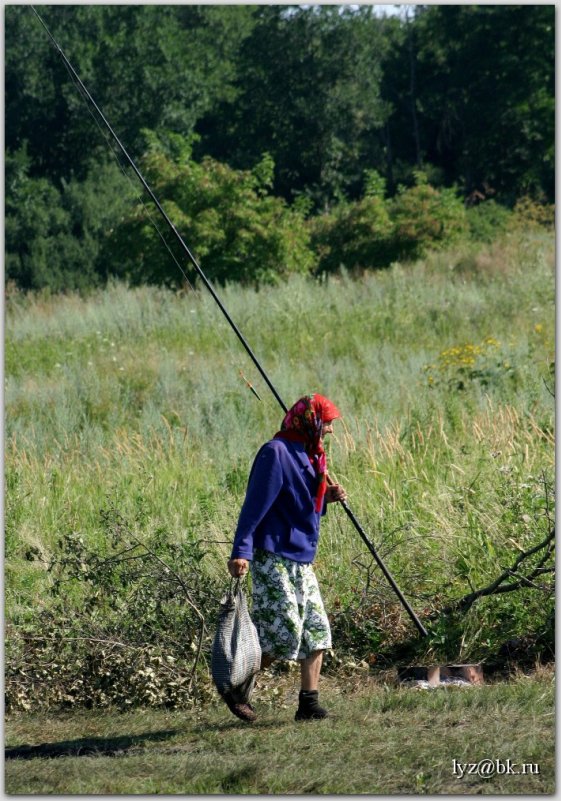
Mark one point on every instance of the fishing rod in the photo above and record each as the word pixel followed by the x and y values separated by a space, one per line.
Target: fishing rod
pixel 224 311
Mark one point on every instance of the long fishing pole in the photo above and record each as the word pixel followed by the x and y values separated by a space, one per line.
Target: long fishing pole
pixel 224 311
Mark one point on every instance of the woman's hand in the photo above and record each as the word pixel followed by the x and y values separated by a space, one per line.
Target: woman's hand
pixel 238 567
pixel 335 492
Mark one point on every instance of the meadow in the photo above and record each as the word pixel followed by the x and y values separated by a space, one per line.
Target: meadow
pixel 128 421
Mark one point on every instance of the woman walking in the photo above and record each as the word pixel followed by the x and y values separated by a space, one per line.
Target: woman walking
pixel 277 532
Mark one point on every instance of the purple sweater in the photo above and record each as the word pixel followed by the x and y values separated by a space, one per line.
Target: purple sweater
pixel 278 513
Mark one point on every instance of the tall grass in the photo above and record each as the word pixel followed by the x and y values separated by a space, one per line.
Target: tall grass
pixel 134 396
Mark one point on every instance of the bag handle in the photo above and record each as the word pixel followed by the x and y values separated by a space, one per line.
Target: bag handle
pixel 235 585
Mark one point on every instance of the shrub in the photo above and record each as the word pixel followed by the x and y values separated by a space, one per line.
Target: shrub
pixel 487 220
pixel 373 232
pixel 53 233
pixel 40 251
pixel 127 625
pixel 226 217
pixel 353 235
pixel 459 365
pixel 425 218
pixel 530 214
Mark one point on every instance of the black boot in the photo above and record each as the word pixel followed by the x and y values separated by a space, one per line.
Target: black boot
pixel 308 706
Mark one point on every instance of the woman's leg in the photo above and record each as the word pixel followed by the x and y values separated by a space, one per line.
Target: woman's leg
pixel 310 669
pixel 266 660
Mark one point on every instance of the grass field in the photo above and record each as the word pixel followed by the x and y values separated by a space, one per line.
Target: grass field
pixel 133 399
pixel 380 740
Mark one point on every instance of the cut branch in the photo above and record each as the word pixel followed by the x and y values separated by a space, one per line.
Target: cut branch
pixel 193 606
pixel 498 586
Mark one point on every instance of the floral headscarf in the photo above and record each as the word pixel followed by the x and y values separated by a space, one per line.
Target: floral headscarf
pixel 303 423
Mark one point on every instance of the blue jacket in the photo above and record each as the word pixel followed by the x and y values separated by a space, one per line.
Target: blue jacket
pixel 278 513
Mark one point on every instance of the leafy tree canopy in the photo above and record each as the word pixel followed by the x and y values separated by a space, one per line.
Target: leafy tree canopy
pixel 234 226
pixel 463 94
pixel 151 66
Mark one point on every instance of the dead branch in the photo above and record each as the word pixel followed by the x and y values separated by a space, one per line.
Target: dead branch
pixel 116 643
pixel 190 601
pixel 498 586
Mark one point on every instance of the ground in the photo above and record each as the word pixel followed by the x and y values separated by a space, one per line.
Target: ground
pixel 380 739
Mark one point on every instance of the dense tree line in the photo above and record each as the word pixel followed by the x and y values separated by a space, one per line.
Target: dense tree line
pixel 302 103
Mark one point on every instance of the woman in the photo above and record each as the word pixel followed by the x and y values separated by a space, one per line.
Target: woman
pixel 278 532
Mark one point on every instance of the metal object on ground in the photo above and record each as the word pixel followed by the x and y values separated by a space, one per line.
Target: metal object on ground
pixel 434 675
pixel 471 673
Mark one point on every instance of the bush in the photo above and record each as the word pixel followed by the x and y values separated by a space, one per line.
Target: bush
pixel 54 234
pixel 39 250
pixel 374 232
pixel 530 214
pixel 129 625
pixel 353 235
pixel 226 217
pixel 487 220
pixel 426 218
pixel 484 363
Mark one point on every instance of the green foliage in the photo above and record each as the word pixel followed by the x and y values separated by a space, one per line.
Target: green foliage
pixel 524 559
pixel 425 217
pixel 156 67
pixel 354 235
pixel 487 220
pixel 308 86
pixel 484 363
pixel 323 90
pixel 484 113
pixel 54 236
pixel 373 232
pixel 532 215
pixel 374 184
pixel 40 249
pixel 125 625
pixel 236 229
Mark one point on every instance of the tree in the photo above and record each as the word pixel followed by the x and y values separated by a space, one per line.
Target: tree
pixel 54 236
pixel 463 93
pixel 484 96
pixel 237 230
pixel 309 94
pixel 156 67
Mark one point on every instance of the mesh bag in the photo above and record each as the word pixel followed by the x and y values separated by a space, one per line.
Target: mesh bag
pixel 236 653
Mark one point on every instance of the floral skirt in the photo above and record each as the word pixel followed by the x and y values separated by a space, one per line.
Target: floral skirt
pixel 287 608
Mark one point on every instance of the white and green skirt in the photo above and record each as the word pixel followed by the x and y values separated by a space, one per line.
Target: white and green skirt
pixel 288 610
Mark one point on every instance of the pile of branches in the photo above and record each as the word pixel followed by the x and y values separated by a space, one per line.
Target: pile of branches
pixel 127 628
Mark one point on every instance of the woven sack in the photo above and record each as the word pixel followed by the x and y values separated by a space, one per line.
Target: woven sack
pixel 236 653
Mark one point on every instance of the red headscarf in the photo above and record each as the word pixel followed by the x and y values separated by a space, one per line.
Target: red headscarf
pixel 303 423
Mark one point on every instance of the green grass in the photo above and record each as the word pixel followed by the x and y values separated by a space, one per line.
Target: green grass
pixel 133 397
pixel 380 740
